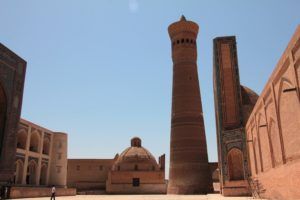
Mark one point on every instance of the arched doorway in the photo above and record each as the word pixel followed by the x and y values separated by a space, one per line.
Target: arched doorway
pixel 34 142
pixel 46 146
pixel 19 171
pixel 275 138
pixel 43 178
pixel 264 143
pixel 289 114
pixel 3 109
pixel 21 139
pixel 31 173
pixel 235 164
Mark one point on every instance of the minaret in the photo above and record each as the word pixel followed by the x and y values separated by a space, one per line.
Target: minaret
pixel 189 170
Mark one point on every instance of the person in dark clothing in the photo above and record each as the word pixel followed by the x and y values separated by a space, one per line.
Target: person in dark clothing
pixel 52 193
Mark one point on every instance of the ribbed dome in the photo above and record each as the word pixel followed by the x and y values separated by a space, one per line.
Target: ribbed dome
pixel 249 98
pixel 135 155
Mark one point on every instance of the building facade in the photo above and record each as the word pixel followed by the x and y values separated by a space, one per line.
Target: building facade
pixel 273 130
pixel 88 174
pixel 233 105
pixel 41 156
pixel 136 171
pixel 189 168
pixel 12 77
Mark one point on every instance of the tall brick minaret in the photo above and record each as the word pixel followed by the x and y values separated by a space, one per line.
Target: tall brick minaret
pixel 189 170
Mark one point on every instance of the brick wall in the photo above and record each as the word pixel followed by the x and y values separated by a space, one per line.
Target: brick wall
pixel 88 174
pixel 273 129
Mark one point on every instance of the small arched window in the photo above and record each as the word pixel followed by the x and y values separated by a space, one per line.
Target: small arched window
pixel 46 146
pixel 182 40
pixel 34 142
pixel 178 41
pixel 136 167
pixel 21 139
pixel 187 40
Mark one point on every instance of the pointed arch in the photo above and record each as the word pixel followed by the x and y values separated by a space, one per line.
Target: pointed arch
pixel 256 155
pixel 252 161
pixel 289 114
pixel 31 173
pixel 43 176
pixel 235 164
pixel 46 146
pixel 21 139
pixel 19 167
pixel 264 142
pixel 275 141
pixel 34 141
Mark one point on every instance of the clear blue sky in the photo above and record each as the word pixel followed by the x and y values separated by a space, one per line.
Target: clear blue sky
pixel 102 72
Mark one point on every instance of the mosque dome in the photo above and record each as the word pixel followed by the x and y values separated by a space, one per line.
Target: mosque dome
pixel 135 158
pixel 248 96
pixel 249 99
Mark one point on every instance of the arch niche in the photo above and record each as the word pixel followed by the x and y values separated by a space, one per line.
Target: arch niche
pixel 3 110
pixel 46 146
pixel 289 115
pixel 21 139
pixel 235 164
pixel 19 165
pixel 43 178
pixel 34 142
pixel 31 173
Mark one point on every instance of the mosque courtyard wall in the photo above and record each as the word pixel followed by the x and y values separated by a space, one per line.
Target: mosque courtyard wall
pixel 273 129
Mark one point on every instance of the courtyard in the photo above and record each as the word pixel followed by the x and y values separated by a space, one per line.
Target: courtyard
pixel 148 197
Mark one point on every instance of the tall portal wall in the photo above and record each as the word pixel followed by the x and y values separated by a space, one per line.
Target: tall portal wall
pixel 12 76
pixel 233 103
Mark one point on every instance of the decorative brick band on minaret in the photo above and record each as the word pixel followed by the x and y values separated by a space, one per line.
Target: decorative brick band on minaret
pixel 189 171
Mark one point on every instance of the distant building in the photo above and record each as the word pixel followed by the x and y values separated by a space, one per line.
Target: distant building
pixel 88 174
pixel 41 156
pixel 135 171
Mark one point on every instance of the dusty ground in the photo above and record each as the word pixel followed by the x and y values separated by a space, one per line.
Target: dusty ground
pixel 148 197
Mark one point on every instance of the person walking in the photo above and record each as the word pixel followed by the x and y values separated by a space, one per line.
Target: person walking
pixel 52 193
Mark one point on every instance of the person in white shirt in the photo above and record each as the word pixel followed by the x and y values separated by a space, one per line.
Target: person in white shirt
pixel 52 192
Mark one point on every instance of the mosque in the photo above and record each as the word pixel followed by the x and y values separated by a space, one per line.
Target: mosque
pixel 134 171
pixel 258 136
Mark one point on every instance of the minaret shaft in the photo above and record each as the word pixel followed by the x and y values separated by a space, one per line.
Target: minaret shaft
pixel 189 170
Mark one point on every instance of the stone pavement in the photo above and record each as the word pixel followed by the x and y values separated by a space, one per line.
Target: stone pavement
pixel 147 197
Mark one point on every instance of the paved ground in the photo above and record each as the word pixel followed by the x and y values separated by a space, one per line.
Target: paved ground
pixel 148 197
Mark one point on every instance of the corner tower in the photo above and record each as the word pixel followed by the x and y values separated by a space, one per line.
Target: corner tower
pixel 189 170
